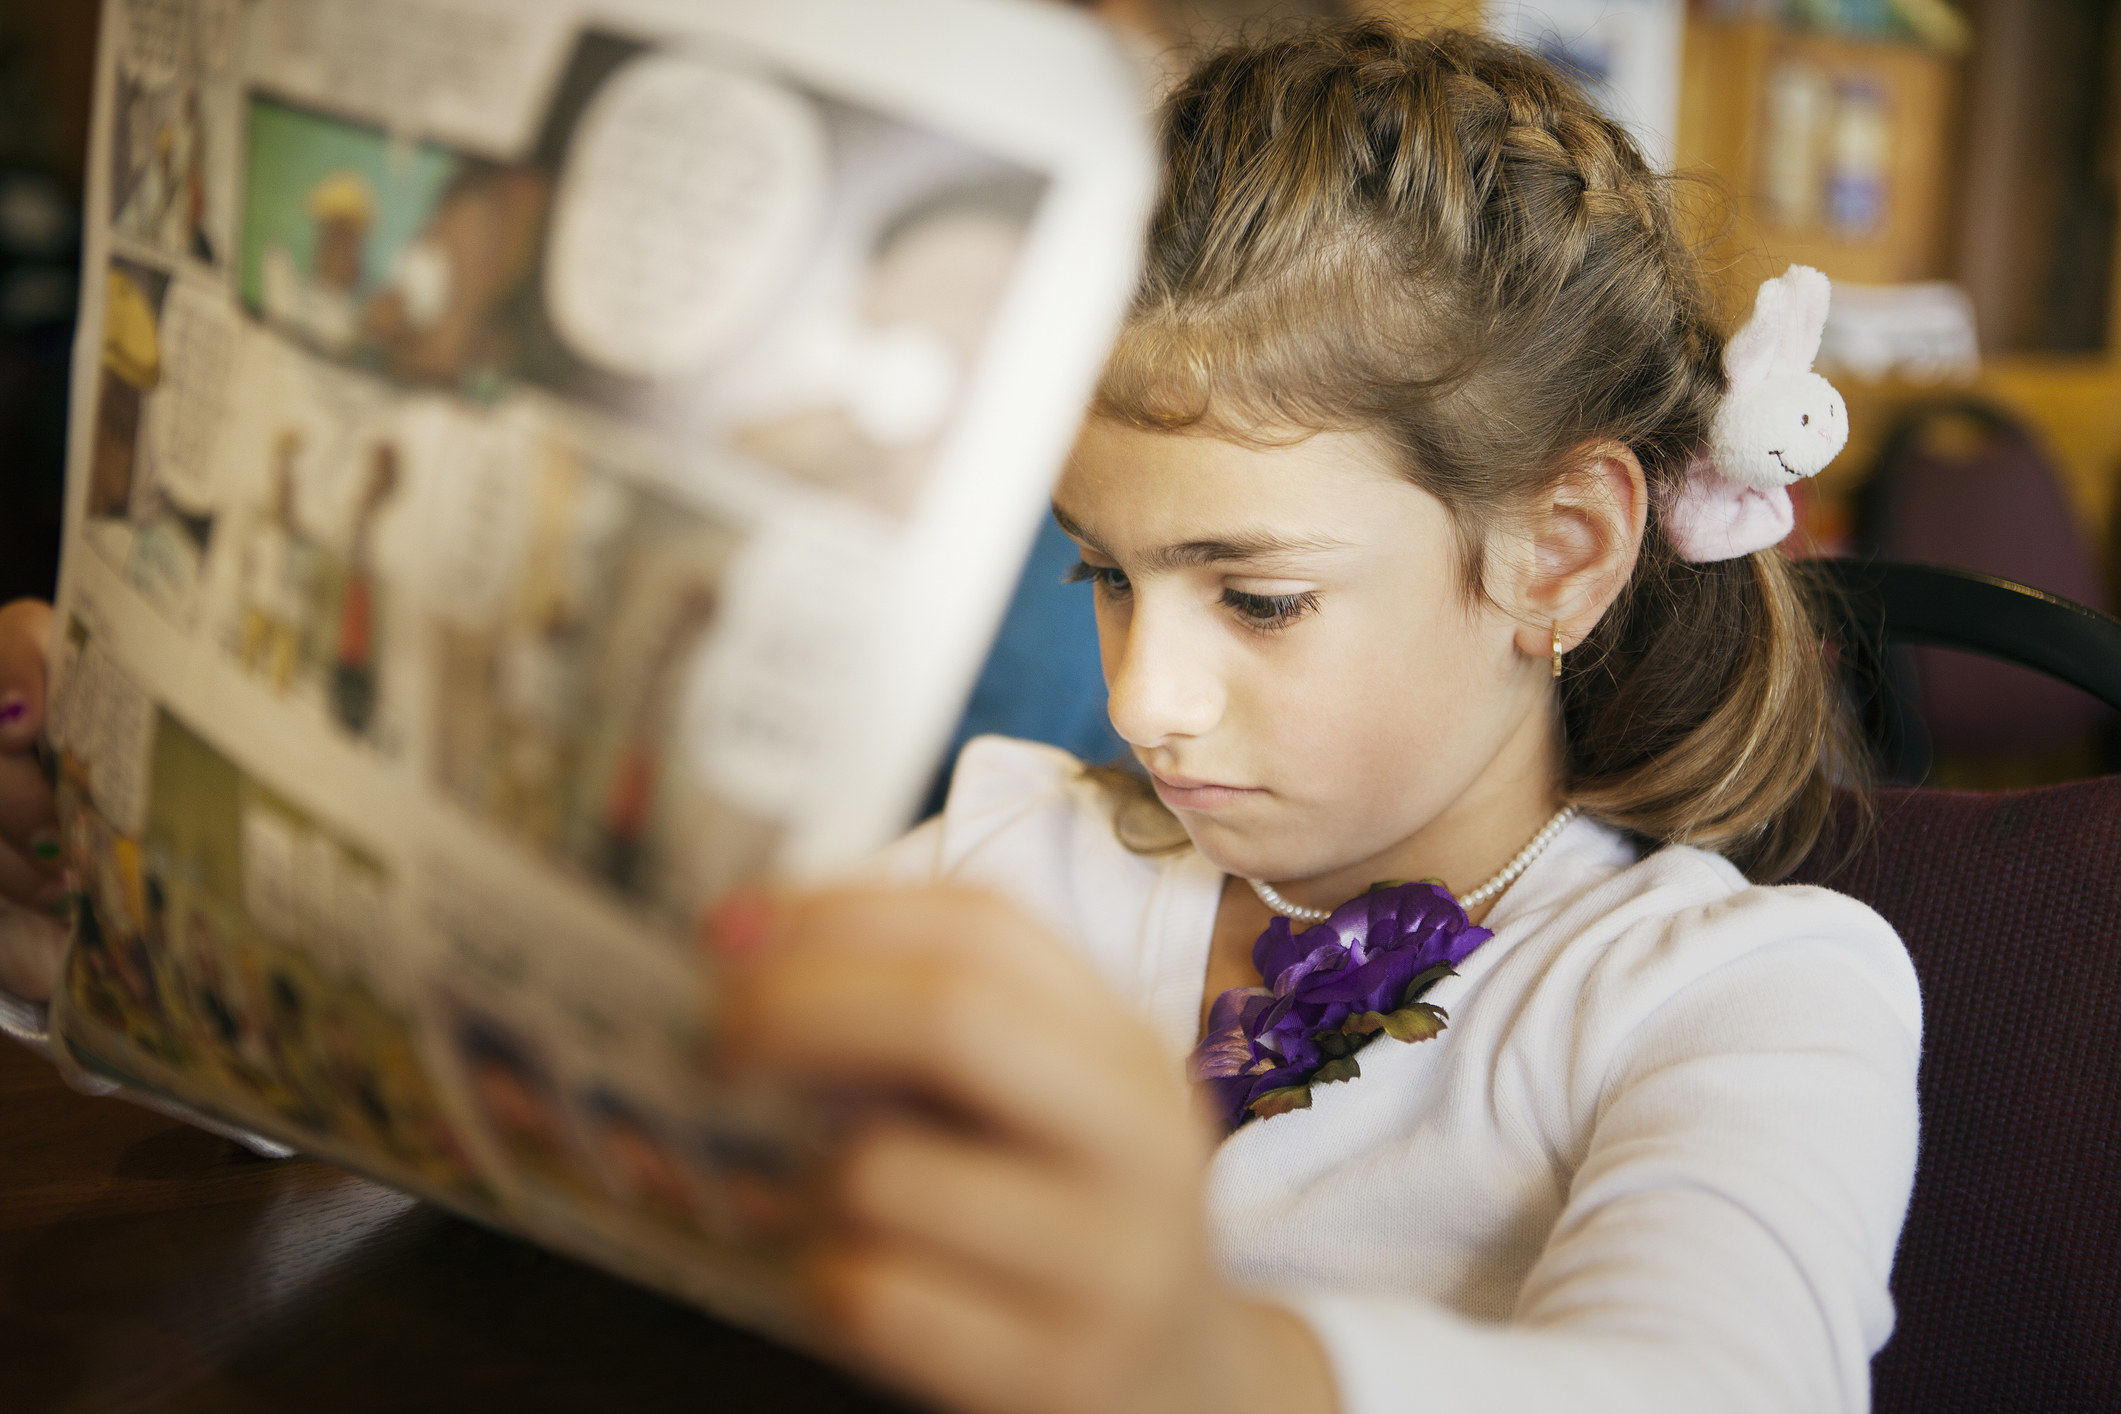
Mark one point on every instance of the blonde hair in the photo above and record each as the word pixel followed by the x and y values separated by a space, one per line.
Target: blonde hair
pixel 1437 240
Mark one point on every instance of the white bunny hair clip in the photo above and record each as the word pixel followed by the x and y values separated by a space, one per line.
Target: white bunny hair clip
pixel 1779 423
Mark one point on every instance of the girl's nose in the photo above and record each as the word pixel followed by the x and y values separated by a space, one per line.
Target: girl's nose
pixel 1161 684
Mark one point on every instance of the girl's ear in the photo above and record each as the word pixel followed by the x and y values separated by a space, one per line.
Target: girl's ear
pixel 1585 537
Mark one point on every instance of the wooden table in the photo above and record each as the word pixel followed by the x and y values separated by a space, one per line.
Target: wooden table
pixel 146 1266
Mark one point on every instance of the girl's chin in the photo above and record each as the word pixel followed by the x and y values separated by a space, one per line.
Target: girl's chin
pixel 1250 859
pixel 1285 856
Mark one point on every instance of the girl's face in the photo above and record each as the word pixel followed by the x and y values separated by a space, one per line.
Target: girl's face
pixel 1291 652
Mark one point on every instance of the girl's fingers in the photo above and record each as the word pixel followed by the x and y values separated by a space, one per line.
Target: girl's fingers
pixel 970 925
pixel 1054 1238
pixel 32 947
pixel 941 1332
pixel 27 820
pixel 1075 1080
pixel 32 886
pixel 918 1324
pixel 956 995
pixel 29 841
pixel 25 630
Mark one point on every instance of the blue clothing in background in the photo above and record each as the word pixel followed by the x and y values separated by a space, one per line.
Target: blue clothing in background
pixel 1042 681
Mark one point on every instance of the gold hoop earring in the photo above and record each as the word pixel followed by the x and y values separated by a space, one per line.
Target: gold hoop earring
pixel 1557 648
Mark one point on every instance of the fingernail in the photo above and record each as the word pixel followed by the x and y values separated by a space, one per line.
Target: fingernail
pixel 13 708
pixel 741 924
pixel 44 844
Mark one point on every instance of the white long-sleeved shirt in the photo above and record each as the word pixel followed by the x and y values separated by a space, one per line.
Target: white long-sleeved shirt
pixel 1657 1162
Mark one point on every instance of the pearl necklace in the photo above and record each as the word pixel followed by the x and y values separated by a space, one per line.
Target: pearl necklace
pixel 1271 896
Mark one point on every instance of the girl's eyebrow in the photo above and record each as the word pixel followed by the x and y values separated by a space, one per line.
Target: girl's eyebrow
pixel 1260 548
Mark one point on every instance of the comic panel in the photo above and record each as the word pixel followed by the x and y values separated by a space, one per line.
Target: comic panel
pixel 406 259
pixel 584 1086
pixel 308 591
pixel 162 386
pixel 227 950
pixel 172 154
pixel 517 1100
pixel 572 607
pixel 779 281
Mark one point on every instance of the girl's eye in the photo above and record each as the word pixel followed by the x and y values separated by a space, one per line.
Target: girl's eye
pixel 1270 611
pixel 1109 579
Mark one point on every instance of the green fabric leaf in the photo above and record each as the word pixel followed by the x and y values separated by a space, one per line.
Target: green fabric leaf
pixel 1365 1024
pixel 1345 1068
pixel 1419 1022
pixel 1280 1102
pixel 1419 987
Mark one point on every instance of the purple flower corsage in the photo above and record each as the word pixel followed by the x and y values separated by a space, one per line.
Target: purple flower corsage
pixel 1331 990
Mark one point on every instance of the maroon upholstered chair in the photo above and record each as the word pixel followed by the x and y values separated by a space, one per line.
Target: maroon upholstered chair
pixel 2008 1278
pixel 1995 503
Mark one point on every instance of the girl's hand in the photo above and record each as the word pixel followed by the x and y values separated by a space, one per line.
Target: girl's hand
pixel 32 881
pixel 1025 1231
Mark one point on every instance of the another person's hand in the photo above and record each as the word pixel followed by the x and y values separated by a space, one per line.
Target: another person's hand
pixel 32 879
pixel 1025 1231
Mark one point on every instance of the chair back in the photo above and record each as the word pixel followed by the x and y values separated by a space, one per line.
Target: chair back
pixel 1985 497
pixel 2008 1278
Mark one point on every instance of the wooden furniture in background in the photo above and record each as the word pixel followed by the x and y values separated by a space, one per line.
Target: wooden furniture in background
pixel 2036 211
pixel 1726 72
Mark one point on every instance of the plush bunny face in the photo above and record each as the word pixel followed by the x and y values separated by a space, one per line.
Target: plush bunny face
pixel 1786 426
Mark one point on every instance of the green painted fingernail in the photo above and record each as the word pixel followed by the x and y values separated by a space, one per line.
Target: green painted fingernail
pixel 44 844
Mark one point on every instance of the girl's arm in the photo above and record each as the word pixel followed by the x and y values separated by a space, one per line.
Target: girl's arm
pixel 1730 1225
pixel 1024 1231
pixel 1030 1236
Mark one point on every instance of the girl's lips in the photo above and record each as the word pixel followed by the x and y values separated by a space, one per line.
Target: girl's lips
pixel 1180 793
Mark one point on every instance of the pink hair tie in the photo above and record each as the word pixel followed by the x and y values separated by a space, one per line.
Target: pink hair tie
pixel 1779 423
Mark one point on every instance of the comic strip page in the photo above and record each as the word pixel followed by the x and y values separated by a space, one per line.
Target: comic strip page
pixel 536 467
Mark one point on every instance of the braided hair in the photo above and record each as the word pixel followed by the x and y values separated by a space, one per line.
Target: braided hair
pixel 1437 240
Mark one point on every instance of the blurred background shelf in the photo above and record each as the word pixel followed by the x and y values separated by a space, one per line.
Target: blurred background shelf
pixel 1731 76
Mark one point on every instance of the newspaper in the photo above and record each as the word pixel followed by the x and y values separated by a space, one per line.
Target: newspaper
pixel 536 465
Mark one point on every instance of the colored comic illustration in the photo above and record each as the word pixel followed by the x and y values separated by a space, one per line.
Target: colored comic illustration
pixel 558 698
pixel 230 943
pixel 171 159
pixel 658 224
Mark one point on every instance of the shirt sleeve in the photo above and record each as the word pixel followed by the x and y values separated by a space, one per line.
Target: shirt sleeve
pixel 1729 1230
pixel 999 786
pixel 912 859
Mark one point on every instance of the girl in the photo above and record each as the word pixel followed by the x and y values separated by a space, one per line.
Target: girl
pixel 1379 505
pixel 1382 503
